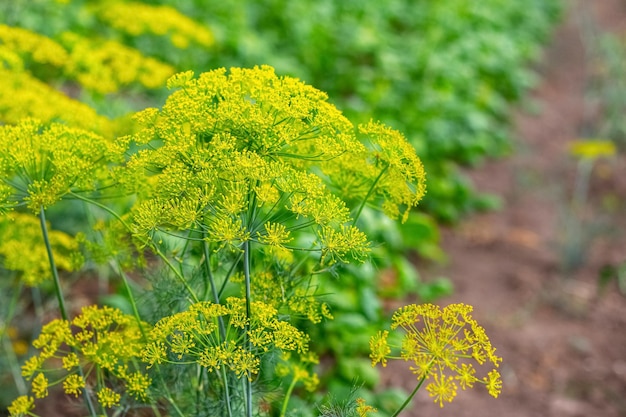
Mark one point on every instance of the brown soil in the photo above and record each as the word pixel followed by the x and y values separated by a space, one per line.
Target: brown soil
pixel 533 286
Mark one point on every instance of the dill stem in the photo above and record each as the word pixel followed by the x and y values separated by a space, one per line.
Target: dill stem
pixel 247 343
pixel 59 294
pixel 220 319
pixel 408 400
pixel 12 357
pixel 283 409
pixel 367 196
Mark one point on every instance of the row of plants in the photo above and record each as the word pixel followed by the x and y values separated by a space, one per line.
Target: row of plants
pixel 165 219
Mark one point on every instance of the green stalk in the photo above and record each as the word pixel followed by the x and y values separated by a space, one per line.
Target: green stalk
pixel 59 294
pixel 283 409
pixel 367 196
pixel 216 299
pixel 53 268
pixel 248 345
pixel 13 362
pixel 408 400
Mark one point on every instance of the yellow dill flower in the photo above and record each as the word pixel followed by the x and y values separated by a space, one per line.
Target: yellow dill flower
pixel 25 96
pixel 108 398
pixel 137 18
pixel 38 48
pixel 276 234
pixel 137 385
pixel 493 382
pixel 193 336
pixel 22 249
pixel 441 344
pixel 104 342
pixel 362 409
pixel 379 348
pixel 44 163
pixel 347 243
pixel 73 385
pixel 442 389
pixel 592 149
pixel 244 363
pixel 70 361
pixel 40 386
pixel 105 66
pixel 10 60
pixel 22 406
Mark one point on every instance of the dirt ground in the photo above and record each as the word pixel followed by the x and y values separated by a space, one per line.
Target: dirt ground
pixel 534 285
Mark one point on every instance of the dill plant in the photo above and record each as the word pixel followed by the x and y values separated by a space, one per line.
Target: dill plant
pixel 245 188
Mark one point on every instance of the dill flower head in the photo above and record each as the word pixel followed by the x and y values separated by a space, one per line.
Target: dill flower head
pixel 100 340
pixel 136 18
pixel 444 346
pixel 105 66
pixel 43 163
pixel 22 406
pixel 34 46
pixel 194 336
pixel 248 155
pixel 592 149
pixel 22 248
pixel 26 96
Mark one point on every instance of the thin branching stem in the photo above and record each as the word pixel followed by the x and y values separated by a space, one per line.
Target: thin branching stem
pixel 408 400
pixel 216 300
pixel 367 196
pixel 59 294
pixel 8 346
pixel 283 409
pixel 247 343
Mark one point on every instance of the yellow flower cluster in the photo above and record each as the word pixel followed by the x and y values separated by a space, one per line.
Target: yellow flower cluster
pixel 36 47
pixel 103 341
pixel 105 66
pixel 99 65
pixel 297 370
pixel 136 18
pixel 42 163
pixel 439 343
pixel 194 336
pixel 231 152
pixel 22 406
pixel 282 291
pixel 592 149
pixel 25 96
pixel 22 249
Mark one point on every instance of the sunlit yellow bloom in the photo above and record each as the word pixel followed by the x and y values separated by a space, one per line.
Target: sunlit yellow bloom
pixel 592 149
pixel 108 398
pixel 22 406
pixel 44 163
pixel 25 96
pixel 106 66
pixel 40 386
pixel 137 18
pixel 441 344
pixel 22 248
pixel 73 385
pixel 379 348
pixel 442 389
pixel 363 409
pixel 38 48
